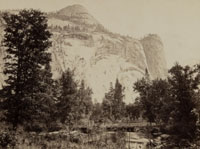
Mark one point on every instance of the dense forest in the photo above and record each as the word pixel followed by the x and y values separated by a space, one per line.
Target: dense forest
pixel 32 103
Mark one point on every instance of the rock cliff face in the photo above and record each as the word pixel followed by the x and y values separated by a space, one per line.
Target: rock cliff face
pixel 154 51
pixel 98 56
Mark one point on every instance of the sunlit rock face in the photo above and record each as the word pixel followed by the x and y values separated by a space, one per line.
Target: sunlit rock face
pixel 154 51
pixel 81 43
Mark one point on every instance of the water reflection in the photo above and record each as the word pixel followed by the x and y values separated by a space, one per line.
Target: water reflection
pixel 135 140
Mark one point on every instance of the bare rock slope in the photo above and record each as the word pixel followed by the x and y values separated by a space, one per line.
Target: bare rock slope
pixel 98 56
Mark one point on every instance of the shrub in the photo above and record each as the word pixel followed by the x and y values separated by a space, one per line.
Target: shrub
pixel 7 139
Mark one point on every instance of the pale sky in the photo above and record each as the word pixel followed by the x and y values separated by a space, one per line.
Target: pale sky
pixel 177 22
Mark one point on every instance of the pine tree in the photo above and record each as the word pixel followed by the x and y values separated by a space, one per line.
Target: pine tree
pixel 184 83
pixel 107 104
pixel 85 99
pixel 113 104
pixel 118 103
pixel 67 101
pixel 26 40
pixel 74 101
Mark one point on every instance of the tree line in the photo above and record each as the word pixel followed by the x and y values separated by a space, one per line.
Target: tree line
pixel 32 99
pixel 173 103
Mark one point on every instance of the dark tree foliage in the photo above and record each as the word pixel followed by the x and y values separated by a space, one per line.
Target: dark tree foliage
pixel 113 104
pixel 133 111
pixel 184 89
pixel 67 98
pixel 153 97
pixel 107 104
pixel 97 113
pixel 85 100
pixel 161 97
pixel 174 102
pixel 27 68
pixel 118 103
pixel 143 88
pixel 74 101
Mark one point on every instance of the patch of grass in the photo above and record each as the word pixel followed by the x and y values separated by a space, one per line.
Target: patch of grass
pixel 62 140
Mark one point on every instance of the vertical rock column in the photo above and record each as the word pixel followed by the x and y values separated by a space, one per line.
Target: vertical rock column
pixel 154 51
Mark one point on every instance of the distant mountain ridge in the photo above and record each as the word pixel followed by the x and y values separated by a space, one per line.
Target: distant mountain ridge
pixel 99 56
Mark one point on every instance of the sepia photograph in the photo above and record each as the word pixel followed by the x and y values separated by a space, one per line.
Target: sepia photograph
pixel 99 74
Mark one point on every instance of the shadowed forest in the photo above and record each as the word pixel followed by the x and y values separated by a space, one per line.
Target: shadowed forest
pixel 40 112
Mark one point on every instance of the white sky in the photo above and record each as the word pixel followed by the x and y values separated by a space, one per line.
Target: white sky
pixel 177 22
